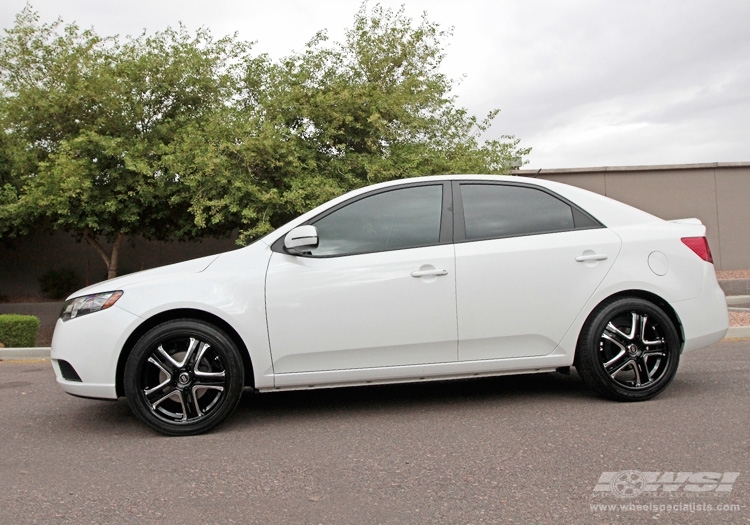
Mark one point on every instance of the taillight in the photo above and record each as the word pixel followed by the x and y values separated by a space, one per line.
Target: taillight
pixel 700 246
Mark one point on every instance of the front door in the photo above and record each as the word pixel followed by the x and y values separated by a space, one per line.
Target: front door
pixel 379 290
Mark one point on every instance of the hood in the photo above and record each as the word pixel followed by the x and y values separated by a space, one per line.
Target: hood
pixel 118 283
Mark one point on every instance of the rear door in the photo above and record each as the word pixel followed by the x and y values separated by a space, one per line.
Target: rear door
pixel 527 261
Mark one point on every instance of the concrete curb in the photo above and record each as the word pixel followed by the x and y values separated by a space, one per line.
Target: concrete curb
pixel 734 287
pixel 738 332
pixel 9 354
pixel 734 300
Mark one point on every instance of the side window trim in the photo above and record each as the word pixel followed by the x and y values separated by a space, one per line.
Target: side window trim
pixel 459 221
pixel 446 218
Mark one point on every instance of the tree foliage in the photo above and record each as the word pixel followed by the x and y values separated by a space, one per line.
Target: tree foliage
pixel 90 124
pixel 341 115
pixel 177 135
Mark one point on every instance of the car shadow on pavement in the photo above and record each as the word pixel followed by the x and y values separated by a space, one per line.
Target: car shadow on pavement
pixel 546 387
pixel 547 391
pixel 115 417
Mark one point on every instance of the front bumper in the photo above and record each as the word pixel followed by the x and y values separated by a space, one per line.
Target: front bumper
pixel 91 346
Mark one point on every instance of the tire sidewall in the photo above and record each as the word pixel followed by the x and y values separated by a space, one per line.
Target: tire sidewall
pixel 587 356
pixel 138 357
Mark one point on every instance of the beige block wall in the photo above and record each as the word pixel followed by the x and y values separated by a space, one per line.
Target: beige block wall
pixel 733 196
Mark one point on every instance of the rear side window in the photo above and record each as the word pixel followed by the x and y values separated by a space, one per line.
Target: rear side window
pixel 493 211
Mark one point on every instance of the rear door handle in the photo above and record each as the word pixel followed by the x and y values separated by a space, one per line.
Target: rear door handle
pixel 427 273
pixel 592 257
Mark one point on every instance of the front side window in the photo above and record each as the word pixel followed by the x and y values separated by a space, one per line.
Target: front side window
pixel 390 220
pixel 494 211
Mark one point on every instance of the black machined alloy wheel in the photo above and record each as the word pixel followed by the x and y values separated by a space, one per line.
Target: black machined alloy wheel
pixel 184 377
pixel 628 350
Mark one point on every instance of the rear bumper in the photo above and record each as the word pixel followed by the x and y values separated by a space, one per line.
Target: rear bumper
pixel 705 319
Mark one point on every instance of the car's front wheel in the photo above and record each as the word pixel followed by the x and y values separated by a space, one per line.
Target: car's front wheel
pixel 184 377
pixel 628 350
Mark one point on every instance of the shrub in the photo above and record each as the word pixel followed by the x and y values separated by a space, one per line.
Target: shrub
pixel 58 284
pixel 18 330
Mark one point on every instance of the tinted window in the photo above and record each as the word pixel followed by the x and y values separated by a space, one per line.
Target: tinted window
pixel 492 211
pixel 391 220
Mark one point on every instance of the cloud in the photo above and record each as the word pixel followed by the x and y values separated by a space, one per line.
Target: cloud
pixel 584 82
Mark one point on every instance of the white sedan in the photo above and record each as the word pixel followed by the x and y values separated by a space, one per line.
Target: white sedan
pixel 421 279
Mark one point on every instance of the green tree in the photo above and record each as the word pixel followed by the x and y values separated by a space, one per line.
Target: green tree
pixel 90 128
pixel 177 136
pixel 339 116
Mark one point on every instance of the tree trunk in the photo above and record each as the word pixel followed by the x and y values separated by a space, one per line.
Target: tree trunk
pixel 110 259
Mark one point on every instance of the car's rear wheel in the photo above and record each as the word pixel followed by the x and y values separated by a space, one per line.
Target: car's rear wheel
pixel 629 350
pixel 184 377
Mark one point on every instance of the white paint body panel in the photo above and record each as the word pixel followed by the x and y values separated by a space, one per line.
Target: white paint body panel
pixel 517 297
pixel 503 306
pixel 361 311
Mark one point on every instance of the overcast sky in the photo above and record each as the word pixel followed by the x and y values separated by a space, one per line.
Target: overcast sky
pixel 583 82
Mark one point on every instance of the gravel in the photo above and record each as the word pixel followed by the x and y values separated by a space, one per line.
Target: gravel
pixel 736 318
pixel 733 274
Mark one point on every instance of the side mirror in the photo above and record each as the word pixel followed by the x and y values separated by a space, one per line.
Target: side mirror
pixel 301 239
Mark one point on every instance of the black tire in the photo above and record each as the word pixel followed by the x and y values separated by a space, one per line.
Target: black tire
pixel 628 350
pixel 184 377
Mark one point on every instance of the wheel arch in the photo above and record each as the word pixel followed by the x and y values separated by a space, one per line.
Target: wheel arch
pixel 183 313
pixel 639 294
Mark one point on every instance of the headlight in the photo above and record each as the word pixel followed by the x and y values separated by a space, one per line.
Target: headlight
pixel 89 304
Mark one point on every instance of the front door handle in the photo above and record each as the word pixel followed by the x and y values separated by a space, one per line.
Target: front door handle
pixel 592 257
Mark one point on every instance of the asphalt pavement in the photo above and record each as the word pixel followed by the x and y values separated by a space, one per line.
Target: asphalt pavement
pixel 522 449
